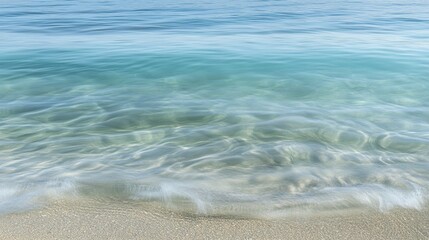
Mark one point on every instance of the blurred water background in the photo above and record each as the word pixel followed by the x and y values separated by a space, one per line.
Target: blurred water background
pixel 215 107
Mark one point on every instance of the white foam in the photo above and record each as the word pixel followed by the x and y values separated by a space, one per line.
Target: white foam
pixel 15 199
pixel 22 197
pixel 170 190
pixel 385 198
pixel 377 196
pixel 204 199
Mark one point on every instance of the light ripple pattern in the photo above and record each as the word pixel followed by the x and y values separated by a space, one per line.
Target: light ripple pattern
pixel 250 108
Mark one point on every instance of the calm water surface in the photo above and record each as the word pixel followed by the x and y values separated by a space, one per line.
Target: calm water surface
pixel 215 107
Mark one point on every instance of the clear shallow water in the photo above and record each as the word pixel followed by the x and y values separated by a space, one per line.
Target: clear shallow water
pixel 260 107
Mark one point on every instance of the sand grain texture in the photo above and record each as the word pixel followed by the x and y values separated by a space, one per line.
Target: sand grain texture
pixel 121 221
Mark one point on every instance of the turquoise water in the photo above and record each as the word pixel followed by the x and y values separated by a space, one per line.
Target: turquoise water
pixel 228 107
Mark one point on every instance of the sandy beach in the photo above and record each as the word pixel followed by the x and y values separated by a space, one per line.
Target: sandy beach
pixel 147 221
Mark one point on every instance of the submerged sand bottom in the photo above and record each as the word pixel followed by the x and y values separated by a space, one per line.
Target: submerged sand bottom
pixel 108 220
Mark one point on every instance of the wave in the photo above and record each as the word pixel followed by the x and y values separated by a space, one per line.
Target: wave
pixel 15 198
pixel 187 198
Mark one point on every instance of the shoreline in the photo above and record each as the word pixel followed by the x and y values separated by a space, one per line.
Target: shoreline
pixel 109 220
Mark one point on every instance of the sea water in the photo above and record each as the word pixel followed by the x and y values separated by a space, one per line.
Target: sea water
pixel 215 107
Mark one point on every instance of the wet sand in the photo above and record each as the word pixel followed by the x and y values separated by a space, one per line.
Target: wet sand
pixel 148 221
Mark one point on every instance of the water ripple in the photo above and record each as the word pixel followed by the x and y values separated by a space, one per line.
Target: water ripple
pixel 267 107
